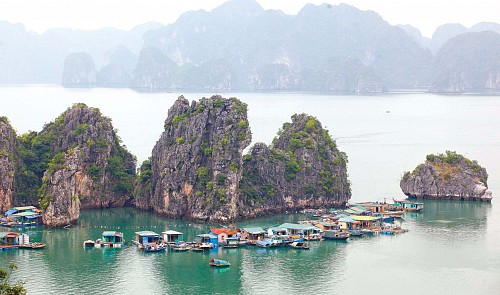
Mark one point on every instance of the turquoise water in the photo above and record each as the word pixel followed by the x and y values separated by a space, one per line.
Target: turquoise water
pixel 452 248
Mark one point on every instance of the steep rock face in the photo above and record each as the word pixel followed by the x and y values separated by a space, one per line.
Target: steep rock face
pixel 448 176
pixel 7 163
pixel 113 75
pixel 79 70
pixel 82 163
pixel 302 169
pixel 468 62
pixel 196 163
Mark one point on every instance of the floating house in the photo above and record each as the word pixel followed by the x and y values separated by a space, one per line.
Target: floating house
pixel 146 237
pixel 19 217
pixel 278 231
pixel 207 239
pixel 346 223
pixel 302 230
pixel 326 225
pixel 8 240
pixel 252 234
pixel 366 221
pixel 172 236
pixel 223 234
pixel 111 239
pixel 374 207
pixel 408 206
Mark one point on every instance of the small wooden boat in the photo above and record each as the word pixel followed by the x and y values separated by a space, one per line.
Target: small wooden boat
pixel 264 243
pixel 300 245
pixel 153 248
pixel 219 263
pixel 179 247
pixel 35 245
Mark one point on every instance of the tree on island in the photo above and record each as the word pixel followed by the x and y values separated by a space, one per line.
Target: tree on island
pixel 5 287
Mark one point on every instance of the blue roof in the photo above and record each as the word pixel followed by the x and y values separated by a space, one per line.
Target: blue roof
pixel 11 211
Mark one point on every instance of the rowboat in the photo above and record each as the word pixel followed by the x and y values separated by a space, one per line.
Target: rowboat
pixel 35 245
pixel 219 263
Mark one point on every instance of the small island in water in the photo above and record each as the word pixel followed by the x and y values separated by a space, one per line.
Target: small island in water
pixel 447 176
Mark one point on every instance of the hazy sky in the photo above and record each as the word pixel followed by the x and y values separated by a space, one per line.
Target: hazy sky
pixel 40 15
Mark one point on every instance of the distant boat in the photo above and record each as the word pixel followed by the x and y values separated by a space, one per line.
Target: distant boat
pixel 35 245
pixel 219 263
pixel 300 245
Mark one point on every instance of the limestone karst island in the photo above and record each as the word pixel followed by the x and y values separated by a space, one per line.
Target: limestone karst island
pixel 249 147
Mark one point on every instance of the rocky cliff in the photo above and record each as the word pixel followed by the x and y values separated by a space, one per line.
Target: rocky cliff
pixel 447 176
pixel 196 164
pixel 7 163
pixel 469 62
pixel 74 162
pixel 79 70
pixel 303 168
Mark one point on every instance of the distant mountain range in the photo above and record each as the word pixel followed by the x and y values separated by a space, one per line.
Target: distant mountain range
pixel 241 46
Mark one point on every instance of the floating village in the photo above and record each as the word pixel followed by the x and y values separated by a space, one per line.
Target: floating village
pixel 356 220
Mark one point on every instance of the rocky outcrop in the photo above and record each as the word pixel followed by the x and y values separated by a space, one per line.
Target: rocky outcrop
pixel 447 176
pixel 113 75
pixel 79 70
pixel 7 163
pixel 196 163
pixel 82 163
pixel 469 62
pixel 303 168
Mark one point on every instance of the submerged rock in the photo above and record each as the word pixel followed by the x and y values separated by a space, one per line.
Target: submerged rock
pixel 196 163
pixel 447 176
pixel 303 168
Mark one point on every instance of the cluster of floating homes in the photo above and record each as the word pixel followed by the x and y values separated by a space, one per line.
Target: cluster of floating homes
pixel 357 220
pixel 20 217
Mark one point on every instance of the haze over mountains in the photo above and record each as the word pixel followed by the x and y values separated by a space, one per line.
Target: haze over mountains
pixel 241 46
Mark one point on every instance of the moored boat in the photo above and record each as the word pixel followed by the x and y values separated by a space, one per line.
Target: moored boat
pixel 219 263
pixel 299 245
pixel 335 235
pixel 34 245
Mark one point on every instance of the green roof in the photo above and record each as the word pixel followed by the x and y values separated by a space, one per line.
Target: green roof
pixel 146 233
pixel 112 234
pixel 296 226
pixel 254 230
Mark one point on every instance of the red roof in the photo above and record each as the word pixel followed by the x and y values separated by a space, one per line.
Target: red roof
pixel 218 231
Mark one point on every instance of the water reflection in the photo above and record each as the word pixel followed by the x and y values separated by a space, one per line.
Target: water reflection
pixel 443 232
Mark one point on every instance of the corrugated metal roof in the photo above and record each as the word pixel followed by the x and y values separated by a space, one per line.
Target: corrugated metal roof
pixel 255 230
pixel 171 232
pixel 112 234
pixel 297 226
pixel 146 233
pixel 364 218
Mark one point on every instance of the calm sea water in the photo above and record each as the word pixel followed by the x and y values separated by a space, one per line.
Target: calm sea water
pixel 452 248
